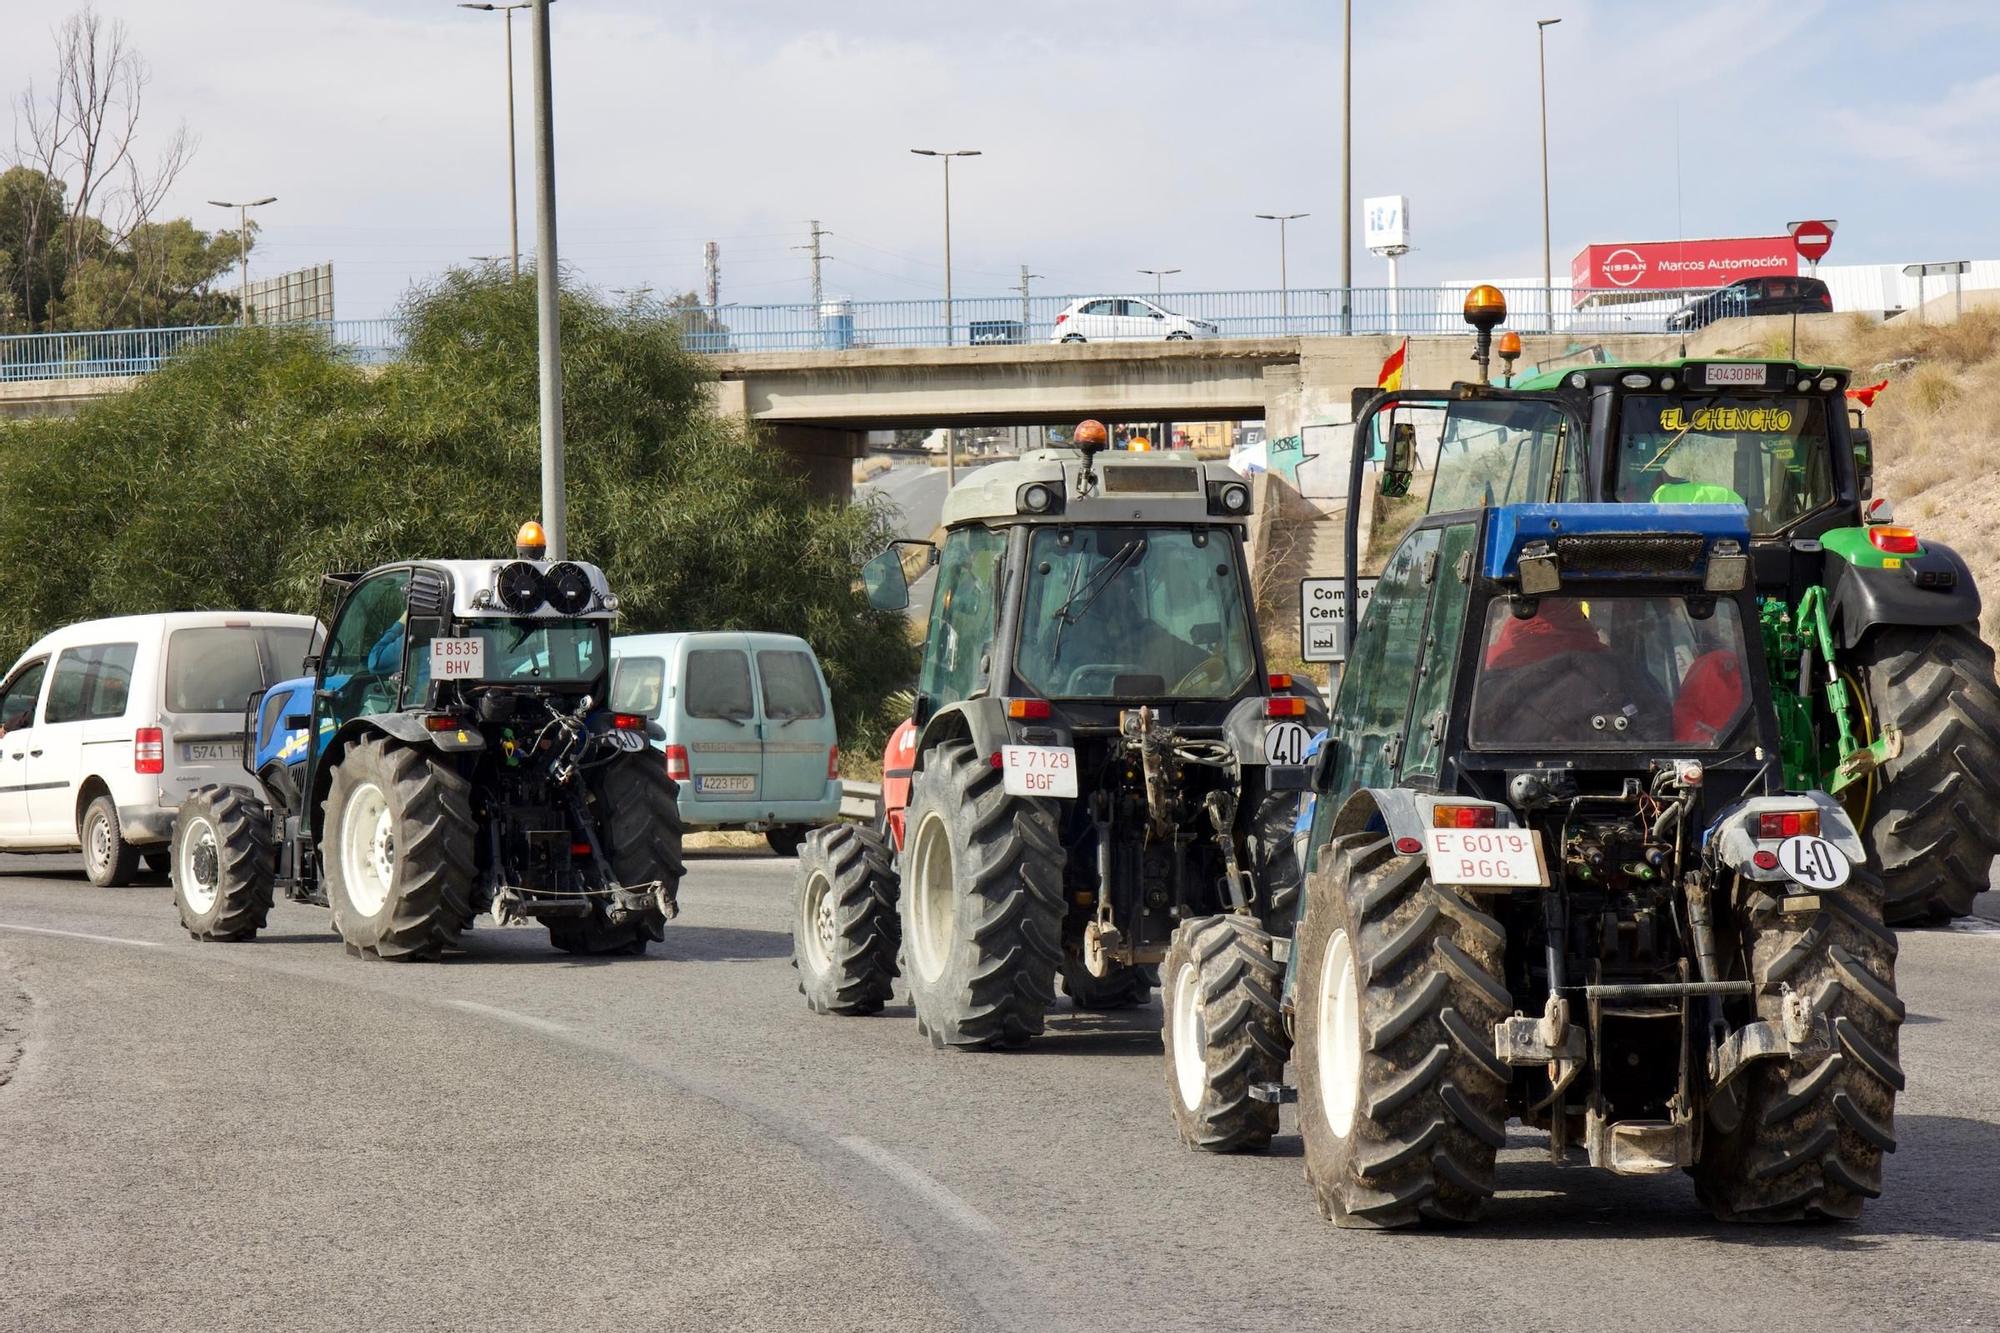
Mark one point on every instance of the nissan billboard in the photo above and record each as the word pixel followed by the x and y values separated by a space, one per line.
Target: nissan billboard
pixel 1601 271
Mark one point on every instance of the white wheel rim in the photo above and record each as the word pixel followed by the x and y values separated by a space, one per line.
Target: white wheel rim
pixel 1338 1049
pixel 367 848
pixel 934 901
pixel 199 870
pixel 818 926
pixel 1190 1037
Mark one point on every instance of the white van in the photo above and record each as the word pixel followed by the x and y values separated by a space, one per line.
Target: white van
pixel 106 725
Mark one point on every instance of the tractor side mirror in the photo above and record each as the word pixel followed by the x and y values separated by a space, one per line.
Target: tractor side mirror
pixel 1401 463
pixel 1323 766
pixel 882 578
pixel 1864 462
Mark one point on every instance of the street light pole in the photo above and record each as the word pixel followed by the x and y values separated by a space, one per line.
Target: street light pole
pixel 1346 167
pixel 513 191
pixel 548 288
pixel 1159 277
pixel 1542 27
pixel 1284 278
pixel 949 332
pixel 243 248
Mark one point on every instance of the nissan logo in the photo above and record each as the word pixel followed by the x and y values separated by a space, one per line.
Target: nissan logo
pixel 1623 267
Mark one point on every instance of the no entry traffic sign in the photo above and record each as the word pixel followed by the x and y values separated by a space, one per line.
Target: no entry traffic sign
pixel 1812 238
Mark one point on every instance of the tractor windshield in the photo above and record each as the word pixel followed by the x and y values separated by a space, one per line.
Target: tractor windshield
pixel 1134 612
pixel 1610 673
pixel 1501 452
pixel 1770 455
pixel 543 652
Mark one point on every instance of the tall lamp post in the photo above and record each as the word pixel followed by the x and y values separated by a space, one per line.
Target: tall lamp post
pixel 513 193
pixel 1347 166
pixel 243 242
pixel 1284 278
pixel 1159 277
pixel 1542 27
pixel 949 334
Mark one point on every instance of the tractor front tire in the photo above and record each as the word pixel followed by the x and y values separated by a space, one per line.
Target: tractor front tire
pixel 982 904
pixel 1402 1101
pixel 398 851
pixel 1224 1032
pixel 1931 826
pixel 221 863
pixel 638 813
pixel 1801 1138
pixel 845 929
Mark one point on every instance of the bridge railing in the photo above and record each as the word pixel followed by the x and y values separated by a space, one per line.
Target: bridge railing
pixel 973 321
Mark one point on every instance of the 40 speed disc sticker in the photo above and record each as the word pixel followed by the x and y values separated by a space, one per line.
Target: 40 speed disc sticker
pixel 1813 862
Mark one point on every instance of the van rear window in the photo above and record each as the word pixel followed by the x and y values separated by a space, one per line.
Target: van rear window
pixel 791 685
pixel 218 669
pixel 718 684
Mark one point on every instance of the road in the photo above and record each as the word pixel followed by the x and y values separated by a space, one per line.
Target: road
pixel 916 489
pixel 275 1135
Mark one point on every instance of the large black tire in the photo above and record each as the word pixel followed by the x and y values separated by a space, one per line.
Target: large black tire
pixel 1804 1137
pixel 982 904
pixel 108 860
pixel 1223 1031
pixel 787 839
pixel 845 928
pixel 221 864
pixel 1402 1101
pixel 1125 988
pixel 1274 862
pixel 638 813
pixel 1931 826
pixel 398 851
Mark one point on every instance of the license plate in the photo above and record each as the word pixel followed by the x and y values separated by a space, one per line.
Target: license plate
pixel 738 783
pixel 1038 770
pixel 458 659
pixel 1487 857
pixel 209 752
pixel 1717 376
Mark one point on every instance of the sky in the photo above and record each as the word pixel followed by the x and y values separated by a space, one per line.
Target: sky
pixel 1115 135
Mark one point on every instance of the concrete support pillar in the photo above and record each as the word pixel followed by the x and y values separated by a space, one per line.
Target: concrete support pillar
pixel 823 455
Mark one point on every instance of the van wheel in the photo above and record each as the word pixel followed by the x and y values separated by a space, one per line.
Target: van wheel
pixel 108 859
pixel 786 841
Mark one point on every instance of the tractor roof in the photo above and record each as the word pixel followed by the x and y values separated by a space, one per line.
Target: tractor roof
pixel 1621 541
pixel 1165 487
pixel 1783 373
pixel 471 578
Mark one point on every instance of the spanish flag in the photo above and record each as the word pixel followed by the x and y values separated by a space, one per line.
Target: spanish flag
pixel 1391 377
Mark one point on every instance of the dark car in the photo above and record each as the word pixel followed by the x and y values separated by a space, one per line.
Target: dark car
pixel 1754 296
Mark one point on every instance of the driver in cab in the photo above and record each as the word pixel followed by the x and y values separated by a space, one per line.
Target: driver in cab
pixel 1560 674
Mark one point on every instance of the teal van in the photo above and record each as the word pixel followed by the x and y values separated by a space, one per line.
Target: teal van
pixel 749 730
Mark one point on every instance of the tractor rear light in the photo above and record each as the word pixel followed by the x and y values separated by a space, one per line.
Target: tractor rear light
pixel 1278 680
pixel 579 849
pixel 995 760
pixel 1462 816
pixel 1788 824
pixel 149 750
pixel 441 722
pixel 1764 860
pixel 832 762
pixel 1287 706
pixel 677 762
pixel 1408 846
pixel 1027 710
pixel 1891 539
pixel 628 721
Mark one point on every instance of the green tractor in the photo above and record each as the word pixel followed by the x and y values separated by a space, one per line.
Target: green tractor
pixel 1885 691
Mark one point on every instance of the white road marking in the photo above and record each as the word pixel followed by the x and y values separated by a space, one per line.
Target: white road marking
pixel 957 1209
pixel 509 1016
pixel 82 935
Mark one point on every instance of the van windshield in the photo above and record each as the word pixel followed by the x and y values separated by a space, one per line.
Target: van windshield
pixel 217 669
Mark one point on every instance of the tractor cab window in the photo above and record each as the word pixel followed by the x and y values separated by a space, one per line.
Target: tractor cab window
pixel 543 652
pixel 364 655
pixel 1770 455
pixel 1371 711
pixel 1610 673
pixel 1498 453
pixel 1134 612
pixel 962 614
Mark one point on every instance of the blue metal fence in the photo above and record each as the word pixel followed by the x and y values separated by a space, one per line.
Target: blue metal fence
pixel 840 325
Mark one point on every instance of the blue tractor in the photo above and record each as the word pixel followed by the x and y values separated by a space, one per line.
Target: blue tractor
pixel 445 757
pixel 1556 874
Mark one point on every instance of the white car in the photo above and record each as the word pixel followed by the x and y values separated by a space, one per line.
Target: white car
pixel 1125 319
pixel 105 726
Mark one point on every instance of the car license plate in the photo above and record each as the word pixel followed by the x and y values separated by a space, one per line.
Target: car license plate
pixel 209 752
pixel 1721 376
pixel 1038 770
pixel 1487 857
pixel 736 783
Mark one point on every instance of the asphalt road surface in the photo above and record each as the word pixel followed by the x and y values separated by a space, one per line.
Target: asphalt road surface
pixel 916 490
pixel 274 1135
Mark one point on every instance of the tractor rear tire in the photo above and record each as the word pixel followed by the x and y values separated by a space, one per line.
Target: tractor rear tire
pixel 982 904
pixel 1224 1032
pixel 845 929
pixel 1274 860
pixel 398 851
pixel 1125 988
pixel 1402 1101
pixel 1931 826
pixel 637 809
pixel 1803 1138
pixel 221 864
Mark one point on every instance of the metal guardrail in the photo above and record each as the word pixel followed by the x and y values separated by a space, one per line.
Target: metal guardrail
pixel 857 799
pixel 975 321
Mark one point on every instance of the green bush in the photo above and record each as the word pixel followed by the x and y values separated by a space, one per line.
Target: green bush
pixel 238 474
